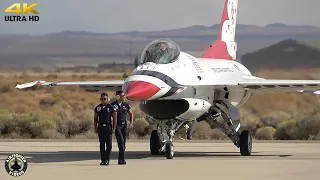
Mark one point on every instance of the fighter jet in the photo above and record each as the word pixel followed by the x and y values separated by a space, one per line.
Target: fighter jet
pixel 175 88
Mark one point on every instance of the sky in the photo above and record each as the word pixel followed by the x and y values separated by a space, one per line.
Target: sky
pixel 110 16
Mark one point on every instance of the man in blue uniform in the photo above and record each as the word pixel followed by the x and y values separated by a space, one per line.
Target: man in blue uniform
pixel 104 127
pixel 122 109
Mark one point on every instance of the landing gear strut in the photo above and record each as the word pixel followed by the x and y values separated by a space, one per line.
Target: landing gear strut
pixel 161 140
pixel 169 149
pixel 230 126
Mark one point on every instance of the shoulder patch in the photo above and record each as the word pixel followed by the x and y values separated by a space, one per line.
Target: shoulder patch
pixel 98 108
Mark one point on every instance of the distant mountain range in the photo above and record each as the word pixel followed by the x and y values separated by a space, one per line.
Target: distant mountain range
pixel 70 48
pixel 199 31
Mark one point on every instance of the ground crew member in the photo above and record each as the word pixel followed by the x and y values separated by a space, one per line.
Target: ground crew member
pixel 122 109
pixel 104 126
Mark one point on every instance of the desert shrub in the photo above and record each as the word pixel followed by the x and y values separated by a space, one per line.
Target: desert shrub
pixel 308 128
pixel 17 135
pixel 48 134
pixel 31 125
pixel 141 127
pixel 265 133
pixel 63 113
pixel 202 130
pixel 317 137
pixel 36 123
pixel 274 118
pixel 58 135
pixel 305 129
pixel 286 130
pixel 73 126
pixel 91 134
pixel 21 108
pixel 5 115
pixel 5 88
pixel 218 135
pixel 20 124
pixel 249 121
pixel 51 76
pixel 38 128
pixel 130 132
pixel 5 118
pixel 137 112
pixel 48 101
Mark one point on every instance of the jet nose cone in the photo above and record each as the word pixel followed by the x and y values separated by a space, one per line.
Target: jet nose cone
pixel 140 90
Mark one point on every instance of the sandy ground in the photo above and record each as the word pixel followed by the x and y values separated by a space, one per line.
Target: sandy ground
pixel 192 160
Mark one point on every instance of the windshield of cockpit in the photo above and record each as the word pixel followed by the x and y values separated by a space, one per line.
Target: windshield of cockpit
pixel 161 51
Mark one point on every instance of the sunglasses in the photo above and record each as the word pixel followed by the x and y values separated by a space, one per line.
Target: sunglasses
pixel 103 99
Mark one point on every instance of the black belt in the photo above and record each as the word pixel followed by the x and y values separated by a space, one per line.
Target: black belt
pixel 104 124
pixel 122 123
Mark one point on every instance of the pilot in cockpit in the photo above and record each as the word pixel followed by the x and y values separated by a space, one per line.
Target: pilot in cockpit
pixel 161 51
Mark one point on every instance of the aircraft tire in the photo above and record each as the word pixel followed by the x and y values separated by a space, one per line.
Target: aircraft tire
pixel 155 146
pixel 245 143
pixel 169 150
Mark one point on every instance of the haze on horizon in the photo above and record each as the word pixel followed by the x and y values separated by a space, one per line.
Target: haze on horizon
pixel 145 15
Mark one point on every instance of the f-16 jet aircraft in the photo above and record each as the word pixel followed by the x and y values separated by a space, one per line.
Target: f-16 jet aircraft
pixel 175 88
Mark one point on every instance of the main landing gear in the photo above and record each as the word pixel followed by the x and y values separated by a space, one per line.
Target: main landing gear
pixel 158 147
pixel 161 140
pixel 230 126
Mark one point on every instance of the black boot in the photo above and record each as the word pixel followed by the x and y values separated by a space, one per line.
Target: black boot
pixel 104 163
pixel 122 162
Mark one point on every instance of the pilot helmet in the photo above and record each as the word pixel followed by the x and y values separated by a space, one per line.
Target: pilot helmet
pixel 161 48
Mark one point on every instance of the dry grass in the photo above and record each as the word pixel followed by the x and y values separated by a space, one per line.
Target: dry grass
pixel 66 112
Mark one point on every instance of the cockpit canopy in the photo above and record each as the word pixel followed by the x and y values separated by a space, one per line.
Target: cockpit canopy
pixel 160 51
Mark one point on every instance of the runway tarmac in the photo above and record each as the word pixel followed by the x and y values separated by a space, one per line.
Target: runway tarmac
pixel 193 160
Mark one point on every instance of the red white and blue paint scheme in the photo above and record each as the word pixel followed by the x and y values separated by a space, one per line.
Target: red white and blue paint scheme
pixel 175 88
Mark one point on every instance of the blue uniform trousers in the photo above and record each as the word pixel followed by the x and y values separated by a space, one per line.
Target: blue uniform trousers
pixel 121 135
pixel 105 138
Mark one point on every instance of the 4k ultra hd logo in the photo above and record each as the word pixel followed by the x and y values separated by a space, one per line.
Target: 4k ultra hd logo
pixel 21 9
pixel 16 165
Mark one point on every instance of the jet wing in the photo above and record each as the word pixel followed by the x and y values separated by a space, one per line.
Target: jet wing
pixel 87 85
pixel 258 86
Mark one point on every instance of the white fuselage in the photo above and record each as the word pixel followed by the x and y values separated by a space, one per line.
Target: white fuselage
pixel 181 80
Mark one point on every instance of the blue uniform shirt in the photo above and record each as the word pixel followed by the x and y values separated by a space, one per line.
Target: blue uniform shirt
pixel 104 113
pixel 122 110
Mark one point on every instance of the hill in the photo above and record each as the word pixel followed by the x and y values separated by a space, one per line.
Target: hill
pixel 287 54
pixel 69 48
